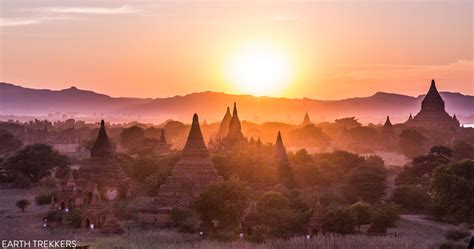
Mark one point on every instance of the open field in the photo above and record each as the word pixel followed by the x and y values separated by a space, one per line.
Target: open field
pixel 17 225
pixel 410 235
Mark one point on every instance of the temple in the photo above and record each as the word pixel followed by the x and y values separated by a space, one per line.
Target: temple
pixel 104 170
pixel 432 114
pixel 163 147
pixel 224 126
pixel 315 225
pixel 234 137
pixel 192 173
pixel 306 120
pixel 284 170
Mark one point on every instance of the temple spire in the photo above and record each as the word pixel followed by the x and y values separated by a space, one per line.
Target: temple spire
pixel 235 129
pixel 163 137
pixel 102 147
pixel 388 124
pixel 432 100
pixel 280 151
pixel 195 145
pixel 306 120
pixel 225 123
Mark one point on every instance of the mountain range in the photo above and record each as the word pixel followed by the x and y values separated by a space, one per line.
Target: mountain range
pixel 211 106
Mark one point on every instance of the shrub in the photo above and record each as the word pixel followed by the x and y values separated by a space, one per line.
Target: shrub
pixel 44 198
pixel 457 233
pixel 363 213
pixel 411 197
pixel 449 244
pixel 73 218
pixel 341 221
pixel 54 216
pixel 185 219
pixel 22 204
pixel 21 181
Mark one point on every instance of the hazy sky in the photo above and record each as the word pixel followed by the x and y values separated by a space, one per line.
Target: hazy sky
pixel 336 49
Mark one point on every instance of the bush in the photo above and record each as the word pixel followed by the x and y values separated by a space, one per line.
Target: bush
pixel 73 218
pixel 449 244
pixel 457 233
pixel 185 219
pixel 411 197
pixel 54 216
pixel 44 198
pixel 22 204
pixel 48 182
pixel 363 213
pixel 341 221
pixel 21 181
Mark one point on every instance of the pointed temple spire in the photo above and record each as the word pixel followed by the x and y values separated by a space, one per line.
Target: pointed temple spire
pixel 225 123
pixel 102 147
pixel 388 124
pixel 306 120
pixel 315 224
pixel 163 137
pixel 432 100
pixel 195 146
pixel 410 117
pixel 96 200
pixel 280 151
pixel 70 182
pixel 191 174
pixel 235 129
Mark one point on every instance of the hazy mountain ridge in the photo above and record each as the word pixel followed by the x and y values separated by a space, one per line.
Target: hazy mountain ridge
pixel 18 100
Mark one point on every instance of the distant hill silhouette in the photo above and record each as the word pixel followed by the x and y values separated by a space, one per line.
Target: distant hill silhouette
pixel 211 106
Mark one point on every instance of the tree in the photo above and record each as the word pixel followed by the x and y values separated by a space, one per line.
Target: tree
pixel 421 169
pixel 462 150
pixel 278 218
pixel 366 183
pixel 384 217
pixel 363 212
pixel 134 140
pixel 453 188
pixel 22 204
pixel 412 143
pixel 8 142
pixel 35 162
pixel 144 166
pixel 224 203
pixel 341 221
pixel 411 197
pixel 442 150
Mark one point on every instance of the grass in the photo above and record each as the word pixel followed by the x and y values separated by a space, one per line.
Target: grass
pixel 410 236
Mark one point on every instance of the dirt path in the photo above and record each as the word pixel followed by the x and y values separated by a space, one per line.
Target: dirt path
pixel 422 220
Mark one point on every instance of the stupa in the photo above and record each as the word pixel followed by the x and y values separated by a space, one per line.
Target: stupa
pixel 306 120
pixel 104 170
pixel 224 126
pixel 284 170
pixel 432 114
pixel 163 146
pixel 191 174
pixel 315 225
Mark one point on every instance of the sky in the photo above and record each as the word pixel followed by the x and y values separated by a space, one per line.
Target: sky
pixel 329 49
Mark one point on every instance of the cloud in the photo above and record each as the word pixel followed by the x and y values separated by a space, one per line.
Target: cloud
pixel 11 22
pixel 6 22
pixel 125 9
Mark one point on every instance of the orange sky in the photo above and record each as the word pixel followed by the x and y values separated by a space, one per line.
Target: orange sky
pixel 337 49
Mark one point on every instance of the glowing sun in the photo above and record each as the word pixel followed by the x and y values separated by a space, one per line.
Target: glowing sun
pixel 260 70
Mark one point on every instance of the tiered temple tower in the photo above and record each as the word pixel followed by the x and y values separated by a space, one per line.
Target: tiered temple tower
pixel 163 147
pixel 192 173
pixel 315 225
pixel 432 114
pixel 224 126
pixel 284 170
pixel 235 129
pixel 306 120
pixel 103 169
pixel 234 137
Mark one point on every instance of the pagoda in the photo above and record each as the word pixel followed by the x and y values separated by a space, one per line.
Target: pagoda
pixel 432 114
pixel 284 170
pixel 315 225
pixel 224 126
pixel 191 174
pixel 306 120
pixel 388 135
pixel 163 147
pixel 94 214
pixel 104 170
pixel 234 137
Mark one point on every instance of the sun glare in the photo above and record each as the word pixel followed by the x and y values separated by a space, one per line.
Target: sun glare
pixel 260 70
